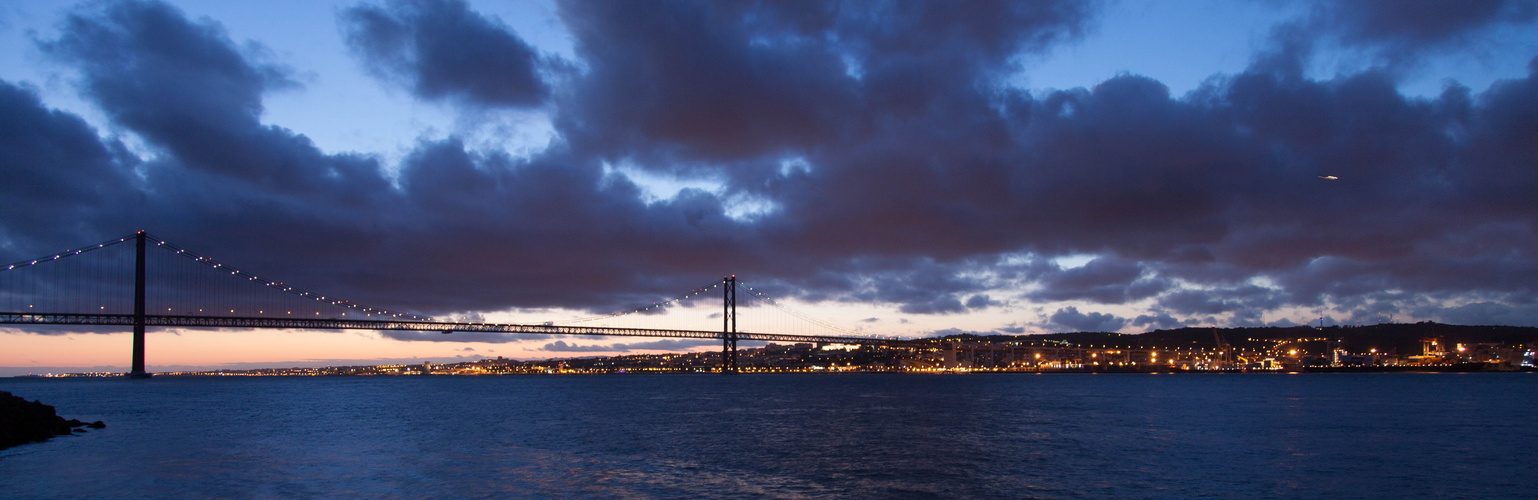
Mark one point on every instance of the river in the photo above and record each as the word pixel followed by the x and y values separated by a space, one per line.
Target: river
pixel 789 436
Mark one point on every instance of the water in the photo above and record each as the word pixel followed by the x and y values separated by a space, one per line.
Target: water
pixel 867 436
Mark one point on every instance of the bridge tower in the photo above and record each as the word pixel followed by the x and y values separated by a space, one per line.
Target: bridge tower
pixel 729 326
pixel 138 348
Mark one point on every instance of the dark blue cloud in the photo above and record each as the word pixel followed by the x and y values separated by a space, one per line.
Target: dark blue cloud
pixel 981 301
pixel 440 49
pixel 1404 27
pixel 921 286
pixel 1483 313
pixel 1104 280
pixel 1222 300
pixel 56 175
pixel 1160 321
pixel 724 81
pixel 183 86
pixel 1071 319
pixel 656 345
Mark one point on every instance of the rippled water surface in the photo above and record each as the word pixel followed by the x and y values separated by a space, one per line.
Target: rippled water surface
pixel 874 436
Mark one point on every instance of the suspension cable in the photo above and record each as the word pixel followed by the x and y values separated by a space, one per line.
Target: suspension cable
pixel 212 264
pixel 665 303
pixel 798 314
pixel 66 253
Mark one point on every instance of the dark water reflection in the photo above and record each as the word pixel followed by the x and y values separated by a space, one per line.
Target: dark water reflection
pixel 883 436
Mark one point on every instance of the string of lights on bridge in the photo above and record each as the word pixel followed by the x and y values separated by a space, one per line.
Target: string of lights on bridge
pixel 211 263
pixel 66 253
pixel 218 266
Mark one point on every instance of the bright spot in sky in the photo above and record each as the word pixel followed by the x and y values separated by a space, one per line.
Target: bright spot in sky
pixel 1072 261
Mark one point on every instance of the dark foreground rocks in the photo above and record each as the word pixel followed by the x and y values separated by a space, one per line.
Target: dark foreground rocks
pixel 23 422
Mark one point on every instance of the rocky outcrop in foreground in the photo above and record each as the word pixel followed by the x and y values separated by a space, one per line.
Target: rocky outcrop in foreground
pixel 22 422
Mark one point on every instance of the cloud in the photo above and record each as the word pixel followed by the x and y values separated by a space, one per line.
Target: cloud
pixel 1073 320
pixel 953 331
pixel 981 301
pixel 1105 280
pixel 470 337
pixel 185 87
pixel 763 78
pixel 1403 26
pixel 902 167
pixel 1160 321
pixel 919 286
pixel 57 173
pixel 441 50
pixel 1219 301
pixel 658 345
pixel 1484 313
pixel 59 330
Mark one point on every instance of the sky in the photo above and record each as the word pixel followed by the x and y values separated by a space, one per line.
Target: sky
pixel 903 168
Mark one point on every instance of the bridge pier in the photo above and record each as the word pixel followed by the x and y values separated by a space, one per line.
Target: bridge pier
pixel 137 371
pixel 729 326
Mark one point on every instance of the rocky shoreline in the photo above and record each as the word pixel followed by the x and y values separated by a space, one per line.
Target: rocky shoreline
pixel 23 422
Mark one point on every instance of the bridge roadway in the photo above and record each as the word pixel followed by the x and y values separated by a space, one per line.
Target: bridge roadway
pixel 15 318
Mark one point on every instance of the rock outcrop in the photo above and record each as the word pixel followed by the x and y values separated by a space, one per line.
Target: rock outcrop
pixel 23 422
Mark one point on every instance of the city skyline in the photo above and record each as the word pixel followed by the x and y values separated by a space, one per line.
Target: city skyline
pixel 897 168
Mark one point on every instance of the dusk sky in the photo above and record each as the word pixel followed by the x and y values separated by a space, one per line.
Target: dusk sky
pixel 897 168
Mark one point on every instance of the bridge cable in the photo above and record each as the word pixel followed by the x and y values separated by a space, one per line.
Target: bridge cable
pixel 761 296
pixel 279 286
pixel 665 303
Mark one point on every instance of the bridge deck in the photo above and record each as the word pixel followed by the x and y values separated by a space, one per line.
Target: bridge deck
pixel 16 318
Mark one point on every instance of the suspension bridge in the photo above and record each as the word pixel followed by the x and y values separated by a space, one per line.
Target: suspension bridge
pixel 159 284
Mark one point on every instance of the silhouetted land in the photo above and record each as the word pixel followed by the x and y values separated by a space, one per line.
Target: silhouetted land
pixel 23 422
